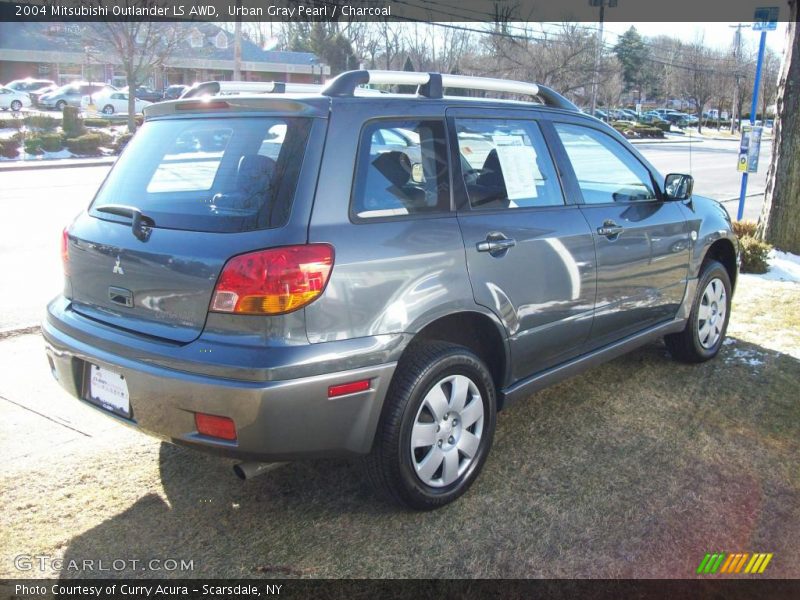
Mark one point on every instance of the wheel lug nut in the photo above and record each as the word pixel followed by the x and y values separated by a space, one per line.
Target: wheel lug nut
pixel 439 443
pixel 455 422
pixel 438 428
pixel 450 440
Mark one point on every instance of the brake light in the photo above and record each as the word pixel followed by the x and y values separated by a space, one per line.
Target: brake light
pixel 65 250
pixel 202 105
pixel 215 426
pixel 274 281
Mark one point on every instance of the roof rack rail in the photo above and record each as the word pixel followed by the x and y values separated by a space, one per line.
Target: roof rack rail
pixel 223 88
pixel 430 85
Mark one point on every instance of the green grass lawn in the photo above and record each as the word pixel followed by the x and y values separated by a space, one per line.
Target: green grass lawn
pixel 634 469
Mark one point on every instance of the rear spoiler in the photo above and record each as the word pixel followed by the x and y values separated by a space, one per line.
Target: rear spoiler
pixel 229 88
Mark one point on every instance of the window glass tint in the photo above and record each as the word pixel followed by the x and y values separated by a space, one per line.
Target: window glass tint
pixel 605 169
pixel 506 164
pixel 225 175
pixel 402 169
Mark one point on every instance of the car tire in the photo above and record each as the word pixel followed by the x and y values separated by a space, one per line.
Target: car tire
pixel 705 330
pixel 60 105
pixel 436 428
pixel 108 109
pixel 16 105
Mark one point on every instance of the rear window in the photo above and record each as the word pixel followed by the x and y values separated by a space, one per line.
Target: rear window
pixel 218 175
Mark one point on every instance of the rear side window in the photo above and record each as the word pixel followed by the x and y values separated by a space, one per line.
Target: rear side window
pixel 506 164
pixel 402 170
pixel 219 175
pixel 606 171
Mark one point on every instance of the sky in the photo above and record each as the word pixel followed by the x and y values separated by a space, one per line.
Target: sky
pixel 719 35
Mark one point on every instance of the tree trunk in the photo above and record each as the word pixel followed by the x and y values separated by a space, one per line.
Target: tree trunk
pixel 779 223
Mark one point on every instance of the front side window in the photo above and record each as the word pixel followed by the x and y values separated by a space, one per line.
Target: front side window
pixel 506 164
pixel 398 179
pixel 606 171
pixel 210 174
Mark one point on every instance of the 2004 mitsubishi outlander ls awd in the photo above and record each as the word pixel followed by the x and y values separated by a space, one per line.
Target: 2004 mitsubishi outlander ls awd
pixel 273 275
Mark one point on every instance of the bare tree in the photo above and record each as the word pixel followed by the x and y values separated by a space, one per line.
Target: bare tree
pixel 562 58
pixel 611 87
pixel 698 76
pixel 769 80
pixel 140 47
pixel 780 216
pixel 392 36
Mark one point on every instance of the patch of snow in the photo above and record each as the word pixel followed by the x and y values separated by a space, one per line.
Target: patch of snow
pixel 49 155
pixel 752 358
pixel 783 266
pixel 7 132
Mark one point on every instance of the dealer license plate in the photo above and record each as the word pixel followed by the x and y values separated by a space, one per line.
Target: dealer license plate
pixel 109 390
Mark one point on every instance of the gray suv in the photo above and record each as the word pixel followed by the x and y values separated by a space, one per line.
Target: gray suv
pixel 339 272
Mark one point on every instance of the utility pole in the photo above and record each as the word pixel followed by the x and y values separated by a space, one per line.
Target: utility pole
pixel 737 50
pixel 602 5
pixel 237 44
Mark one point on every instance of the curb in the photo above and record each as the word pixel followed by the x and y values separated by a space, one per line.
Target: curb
pixel 663 141
pixel 736 198
pixel 63 163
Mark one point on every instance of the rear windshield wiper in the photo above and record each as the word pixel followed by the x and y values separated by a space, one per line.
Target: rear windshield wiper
pixel 141 224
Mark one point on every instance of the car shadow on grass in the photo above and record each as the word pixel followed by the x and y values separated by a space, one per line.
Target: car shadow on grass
pixel 636 468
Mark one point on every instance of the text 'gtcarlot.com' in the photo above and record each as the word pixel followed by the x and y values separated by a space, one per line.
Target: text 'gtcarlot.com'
pixel 27 562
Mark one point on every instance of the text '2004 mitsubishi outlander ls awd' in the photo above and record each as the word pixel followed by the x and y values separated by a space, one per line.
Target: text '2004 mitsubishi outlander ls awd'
pixel 280 274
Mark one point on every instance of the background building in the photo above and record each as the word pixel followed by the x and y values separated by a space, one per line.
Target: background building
pixel 63 52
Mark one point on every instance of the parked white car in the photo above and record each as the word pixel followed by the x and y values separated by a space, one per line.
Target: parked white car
pixel 112 101
pixel 13 99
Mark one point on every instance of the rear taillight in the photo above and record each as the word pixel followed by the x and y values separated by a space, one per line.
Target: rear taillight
pixel 65 250
pixel 275 281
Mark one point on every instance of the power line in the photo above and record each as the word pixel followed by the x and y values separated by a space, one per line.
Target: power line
pixel 531 38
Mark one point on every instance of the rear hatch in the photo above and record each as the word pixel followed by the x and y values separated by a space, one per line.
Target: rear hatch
pixel 185 196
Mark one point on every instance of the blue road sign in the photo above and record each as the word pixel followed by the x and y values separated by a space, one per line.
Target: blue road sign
pixel 766 18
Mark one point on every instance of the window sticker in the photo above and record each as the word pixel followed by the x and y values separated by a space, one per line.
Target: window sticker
pixel 518 163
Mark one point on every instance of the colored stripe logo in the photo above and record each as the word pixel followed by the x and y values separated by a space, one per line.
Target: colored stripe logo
pixel 732 563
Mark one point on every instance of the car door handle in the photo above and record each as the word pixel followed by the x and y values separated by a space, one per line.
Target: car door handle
pixel 494 245
pixel 610 229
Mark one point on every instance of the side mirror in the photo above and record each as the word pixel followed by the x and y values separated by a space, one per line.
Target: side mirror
pixel 678 186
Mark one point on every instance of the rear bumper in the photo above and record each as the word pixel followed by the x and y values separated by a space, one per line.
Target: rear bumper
pixel 275 419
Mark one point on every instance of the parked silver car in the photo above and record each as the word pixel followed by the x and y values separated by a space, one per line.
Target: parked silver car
pixel 71 94
pixel 12 99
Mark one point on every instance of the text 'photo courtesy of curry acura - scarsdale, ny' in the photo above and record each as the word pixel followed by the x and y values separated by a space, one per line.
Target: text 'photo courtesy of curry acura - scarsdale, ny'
pixel 420 299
